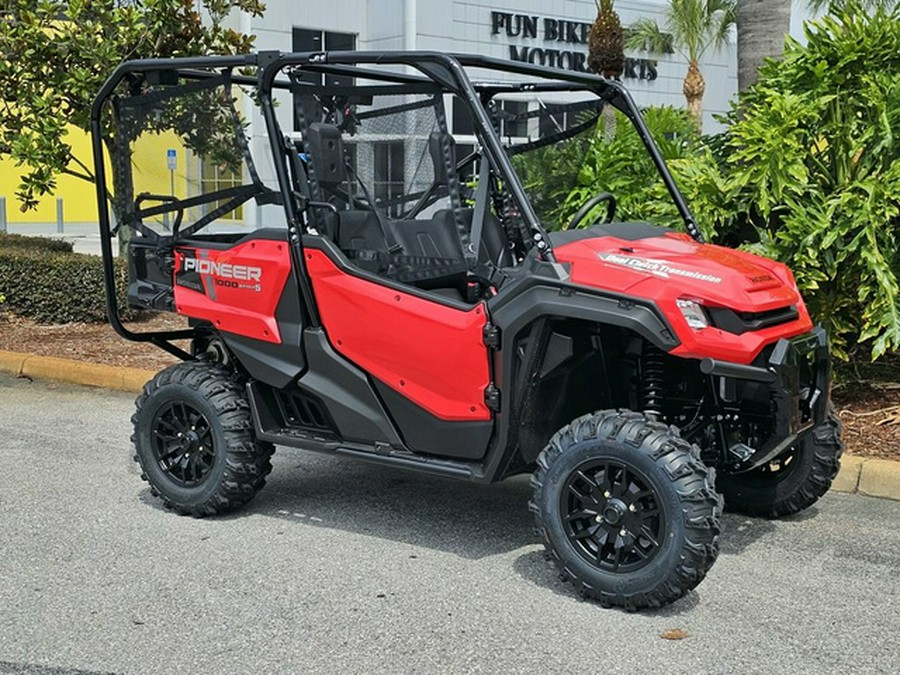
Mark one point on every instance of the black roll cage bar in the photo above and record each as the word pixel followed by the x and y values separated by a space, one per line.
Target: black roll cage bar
pixel 447 70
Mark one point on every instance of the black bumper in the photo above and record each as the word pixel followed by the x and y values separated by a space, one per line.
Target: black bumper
pixel 797 374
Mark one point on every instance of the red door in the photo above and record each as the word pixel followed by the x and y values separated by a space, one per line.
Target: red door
pixel 431 353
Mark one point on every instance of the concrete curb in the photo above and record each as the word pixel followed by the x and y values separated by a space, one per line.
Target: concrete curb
pixel 858 475
pixel 868 476
pixel 74 372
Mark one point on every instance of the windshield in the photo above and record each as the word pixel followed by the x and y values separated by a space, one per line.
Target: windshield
pixel 547 141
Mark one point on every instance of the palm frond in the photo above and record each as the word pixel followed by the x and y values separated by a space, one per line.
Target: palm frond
pixel 725 21
pixel 645 34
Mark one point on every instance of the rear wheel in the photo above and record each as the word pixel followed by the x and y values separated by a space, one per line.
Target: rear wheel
pixel 626 509
pixel 791 482
pixel 193 438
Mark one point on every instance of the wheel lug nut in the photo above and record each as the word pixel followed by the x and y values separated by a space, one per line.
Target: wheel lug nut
pixel 607 494
pixel 632 508
pixel 622 532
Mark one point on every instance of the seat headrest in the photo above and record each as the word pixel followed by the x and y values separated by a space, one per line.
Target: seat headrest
pixel 325 148
pixel 442 148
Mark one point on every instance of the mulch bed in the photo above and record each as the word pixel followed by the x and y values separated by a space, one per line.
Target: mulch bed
pixel 870 413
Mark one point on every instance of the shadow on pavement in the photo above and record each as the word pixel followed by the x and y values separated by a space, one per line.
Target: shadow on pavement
pixel 534 567
pixel 468 520
pixel 464 519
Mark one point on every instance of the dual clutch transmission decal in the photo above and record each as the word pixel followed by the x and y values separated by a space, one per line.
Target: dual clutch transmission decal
pixel 658 268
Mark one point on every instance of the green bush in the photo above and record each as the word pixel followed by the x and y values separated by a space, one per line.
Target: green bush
pixel 19 241
pixel 56 287
pixel 815 164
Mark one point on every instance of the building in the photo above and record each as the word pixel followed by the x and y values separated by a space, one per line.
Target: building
pixel 549 32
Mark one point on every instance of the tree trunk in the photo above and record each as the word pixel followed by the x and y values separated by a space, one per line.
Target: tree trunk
pixel 608 115
pixel 693 88
pixel 761 28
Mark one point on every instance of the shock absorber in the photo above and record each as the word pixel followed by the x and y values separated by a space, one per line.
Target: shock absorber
pixel 652 379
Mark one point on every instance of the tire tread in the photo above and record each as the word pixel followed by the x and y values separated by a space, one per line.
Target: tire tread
pixel 247 461
pixel 693 481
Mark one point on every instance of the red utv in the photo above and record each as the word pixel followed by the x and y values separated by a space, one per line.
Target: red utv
pixel 359 281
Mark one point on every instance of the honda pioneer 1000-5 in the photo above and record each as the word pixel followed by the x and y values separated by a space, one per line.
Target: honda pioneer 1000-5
pixel 366 274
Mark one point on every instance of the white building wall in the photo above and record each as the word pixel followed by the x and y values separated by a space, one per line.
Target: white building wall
pixel 465 26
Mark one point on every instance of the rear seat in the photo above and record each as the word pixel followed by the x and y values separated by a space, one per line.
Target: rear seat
pixel 433 238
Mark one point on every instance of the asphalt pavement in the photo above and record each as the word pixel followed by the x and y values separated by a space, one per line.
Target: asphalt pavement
pixel 338 566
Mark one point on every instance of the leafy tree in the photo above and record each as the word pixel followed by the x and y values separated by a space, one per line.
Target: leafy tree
pixel 57 53
pixel 606 43
pixel 692 27
pixel 606 53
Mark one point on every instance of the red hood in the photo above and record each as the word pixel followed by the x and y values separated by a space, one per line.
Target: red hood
pixel 717 275
pixel 666 268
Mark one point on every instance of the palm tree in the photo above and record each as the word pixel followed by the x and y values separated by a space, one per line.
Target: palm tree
pixel 860 5
pixel 691 28
pixel 606 54
pixel 761 27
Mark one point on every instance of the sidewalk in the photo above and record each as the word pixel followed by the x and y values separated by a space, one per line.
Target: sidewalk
pixel 858 475
pixel 84 237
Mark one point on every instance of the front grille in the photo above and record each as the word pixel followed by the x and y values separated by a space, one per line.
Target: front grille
pixel 742 322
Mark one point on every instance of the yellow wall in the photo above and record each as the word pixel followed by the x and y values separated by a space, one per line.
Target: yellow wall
pixel 79 199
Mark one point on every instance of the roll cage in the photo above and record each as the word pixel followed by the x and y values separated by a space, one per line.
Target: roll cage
pixel 264 73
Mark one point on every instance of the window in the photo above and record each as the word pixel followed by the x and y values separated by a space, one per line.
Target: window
pixel 513 123
pixel 462 119
pixel 214 177
pixel 306 40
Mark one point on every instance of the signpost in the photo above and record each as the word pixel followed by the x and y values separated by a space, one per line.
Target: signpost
pixel 172 163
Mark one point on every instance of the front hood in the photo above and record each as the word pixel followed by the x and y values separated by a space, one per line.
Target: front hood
pixel 665 267
pixel 676 264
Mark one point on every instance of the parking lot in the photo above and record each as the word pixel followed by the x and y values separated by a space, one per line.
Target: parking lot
pixel 343 567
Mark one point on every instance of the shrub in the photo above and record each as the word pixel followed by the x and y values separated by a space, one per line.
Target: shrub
pixel 815 164
pixel 56 287
pixel 19 241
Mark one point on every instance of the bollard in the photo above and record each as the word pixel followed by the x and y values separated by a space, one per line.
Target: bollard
pixel 2 214
pixel 59 215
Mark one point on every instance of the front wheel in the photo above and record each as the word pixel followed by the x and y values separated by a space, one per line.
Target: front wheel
pixel 626 509
pixel 193 438
pixel 791 482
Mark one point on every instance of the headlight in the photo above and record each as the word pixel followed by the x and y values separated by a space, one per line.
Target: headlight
pixel 693 313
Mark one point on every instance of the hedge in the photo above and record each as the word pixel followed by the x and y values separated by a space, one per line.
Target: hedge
pixel 56 287
pixel 20 241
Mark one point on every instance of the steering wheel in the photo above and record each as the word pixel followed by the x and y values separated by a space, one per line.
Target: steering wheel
pixel 589 205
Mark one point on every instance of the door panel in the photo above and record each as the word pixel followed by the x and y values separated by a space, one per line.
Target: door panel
pixel 430 353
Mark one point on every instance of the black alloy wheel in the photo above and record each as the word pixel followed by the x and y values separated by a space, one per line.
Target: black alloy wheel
pixel 612 516
pixel 626 509
pixel 793 481
pixel 183 443
pixel 194 440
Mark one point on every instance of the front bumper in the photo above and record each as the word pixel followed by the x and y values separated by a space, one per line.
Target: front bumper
pixel 797 374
